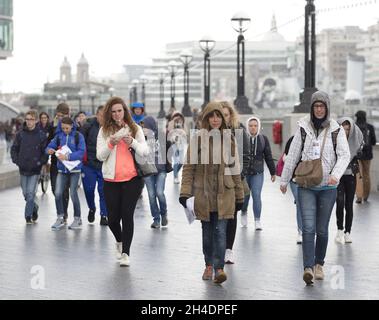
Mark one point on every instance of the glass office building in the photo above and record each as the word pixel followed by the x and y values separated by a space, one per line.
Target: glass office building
pixel 6 28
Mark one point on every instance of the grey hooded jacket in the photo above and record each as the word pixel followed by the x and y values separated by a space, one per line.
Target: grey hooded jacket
pixel 331 165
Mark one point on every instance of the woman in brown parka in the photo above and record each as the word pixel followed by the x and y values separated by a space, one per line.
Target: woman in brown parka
pixel 212 176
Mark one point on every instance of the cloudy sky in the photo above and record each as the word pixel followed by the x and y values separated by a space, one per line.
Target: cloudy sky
pixel 116 32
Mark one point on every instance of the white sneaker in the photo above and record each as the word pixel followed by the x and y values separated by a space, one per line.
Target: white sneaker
pixel 258 225
pixel 244 219
pixel 124 261
pixel 348 238
pixel 176 180
pixel 229 256
pixel 339 237
pixel 118 250
pixel 299 239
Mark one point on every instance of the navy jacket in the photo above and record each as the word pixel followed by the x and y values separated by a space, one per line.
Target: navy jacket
pixel 90 130
pixel 28 151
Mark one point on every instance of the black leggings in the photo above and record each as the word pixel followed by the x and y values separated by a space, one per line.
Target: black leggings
pixel 121 200
pixel 345 199
pixel 231 228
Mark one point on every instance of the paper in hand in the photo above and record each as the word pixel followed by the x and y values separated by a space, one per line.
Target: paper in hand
pixel 190 210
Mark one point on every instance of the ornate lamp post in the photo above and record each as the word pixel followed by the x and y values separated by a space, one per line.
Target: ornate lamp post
pixel 80 97
pixel 207 44
pixel 162 75
pixel 309 58
pixel 143 80
pixel 172 68
pixel 111 92
pixel 135 92
pixel 240 23
pixel 93 96
pixel 186 58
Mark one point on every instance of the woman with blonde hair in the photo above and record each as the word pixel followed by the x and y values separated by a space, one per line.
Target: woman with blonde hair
pixel 232 122
pixel 118 139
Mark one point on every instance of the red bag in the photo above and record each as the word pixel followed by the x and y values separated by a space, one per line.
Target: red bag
pixel 280 166
pixel 85 158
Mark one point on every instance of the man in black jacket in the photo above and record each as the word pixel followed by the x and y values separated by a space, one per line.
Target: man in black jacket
pixel 363 179
pixel 91 170
pixel 28 153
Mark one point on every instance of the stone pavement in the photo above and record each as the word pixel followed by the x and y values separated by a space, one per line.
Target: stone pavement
pixel 166 264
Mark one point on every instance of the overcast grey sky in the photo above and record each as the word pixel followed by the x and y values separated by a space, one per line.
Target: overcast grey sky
pixel 116 32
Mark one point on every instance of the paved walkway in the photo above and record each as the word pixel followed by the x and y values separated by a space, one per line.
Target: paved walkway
pixel 38 263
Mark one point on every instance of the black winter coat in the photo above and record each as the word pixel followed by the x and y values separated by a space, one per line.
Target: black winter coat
pixel 28 151
pixel 369 139
pixel 90 130
pixel 254 156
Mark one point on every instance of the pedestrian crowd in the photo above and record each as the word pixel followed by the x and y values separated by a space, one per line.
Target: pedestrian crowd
pixel 219 165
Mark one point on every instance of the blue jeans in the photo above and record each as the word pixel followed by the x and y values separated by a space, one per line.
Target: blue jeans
pixel 29 188
pixel 255 183
pixel 177 161
pixel 214 241
pixel 89 178
pixel 316 208
pixel 62 179
pixel 155 185
pixel 294 189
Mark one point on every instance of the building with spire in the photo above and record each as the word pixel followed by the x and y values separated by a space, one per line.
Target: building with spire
pixel 65 71
pixel 82 73
pixel 84 94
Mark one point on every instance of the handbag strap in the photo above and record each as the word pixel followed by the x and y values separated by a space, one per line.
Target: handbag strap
pixel 323 142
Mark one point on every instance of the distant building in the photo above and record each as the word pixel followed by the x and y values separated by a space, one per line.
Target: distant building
pixel 268 61
pixel 369 49
pixel 7 112
pixel 84 94
pixel 332 51
pixel 6 28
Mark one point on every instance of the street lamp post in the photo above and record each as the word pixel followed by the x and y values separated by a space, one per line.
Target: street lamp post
pixel 59 98
pixel 130 87
pixel 64 97
pixel 135 92
pixel 207 44
pixel 80 97
pixel 161 77
pixel 172 68
pixel 143 80
pixel 240 23
pixel 186 58
pixel 93 96
pixel 111 92
pixel 309 58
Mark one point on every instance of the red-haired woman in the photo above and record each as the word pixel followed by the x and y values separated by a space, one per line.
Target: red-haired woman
pixel 122 185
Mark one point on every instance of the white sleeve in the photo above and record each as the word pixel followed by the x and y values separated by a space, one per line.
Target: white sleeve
pixel 139 144
pixel 102 149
